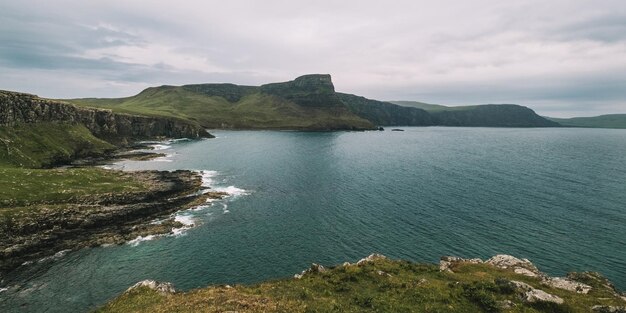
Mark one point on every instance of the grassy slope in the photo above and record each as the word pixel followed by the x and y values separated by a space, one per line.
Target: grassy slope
pixel 27 147
pixel 255 110
pixel 44 144
pixel 602 121
pixel 410 288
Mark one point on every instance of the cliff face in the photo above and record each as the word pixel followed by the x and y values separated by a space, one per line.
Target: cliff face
pixel 316 90
pixel 384 113
pixel 18 108
pixel 492 115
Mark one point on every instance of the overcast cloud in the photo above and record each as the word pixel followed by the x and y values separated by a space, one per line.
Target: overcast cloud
pixel 561 58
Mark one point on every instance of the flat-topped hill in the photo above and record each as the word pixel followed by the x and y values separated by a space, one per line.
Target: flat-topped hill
pixel 309 102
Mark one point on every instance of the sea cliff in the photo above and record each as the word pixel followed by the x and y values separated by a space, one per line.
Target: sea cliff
pixel 17 108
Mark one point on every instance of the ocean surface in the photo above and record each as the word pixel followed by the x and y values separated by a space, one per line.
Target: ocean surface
pixel 554 196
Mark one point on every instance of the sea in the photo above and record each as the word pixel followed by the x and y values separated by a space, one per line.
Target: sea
pixel 556 196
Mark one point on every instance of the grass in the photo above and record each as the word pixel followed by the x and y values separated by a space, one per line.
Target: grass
pixel 23 187
pixel 252 110
pixel 27 148
pixel 409 287
pixel 46 144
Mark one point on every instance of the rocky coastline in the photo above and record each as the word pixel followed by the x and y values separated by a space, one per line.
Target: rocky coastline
pixel 45 229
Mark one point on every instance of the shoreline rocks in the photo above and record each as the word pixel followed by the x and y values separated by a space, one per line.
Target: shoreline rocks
pixel 94 221
pixel 164 288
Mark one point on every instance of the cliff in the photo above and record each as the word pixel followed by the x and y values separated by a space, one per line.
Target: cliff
pixel 315 90
pixel 18 108
pixel 486 115
pixel 385 113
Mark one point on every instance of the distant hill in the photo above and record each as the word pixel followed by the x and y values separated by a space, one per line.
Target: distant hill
pixel 602 121
pixel 385 113
pixel 307 103
pixel 486 115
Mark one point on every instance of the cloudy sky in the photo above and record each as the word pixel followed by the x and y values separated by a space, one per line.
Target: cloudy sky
pixel 561 58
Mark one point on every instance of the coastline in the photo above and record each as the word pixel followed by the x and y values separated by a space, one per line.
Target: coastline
pixel 42 230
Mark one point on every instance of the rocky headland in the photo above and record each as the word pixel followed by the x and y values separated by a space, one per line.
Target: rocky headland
pixel 43 229
pixel 18 108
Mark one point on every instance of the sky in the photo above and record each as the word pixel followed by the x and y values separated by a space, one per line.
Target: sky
pixel 560 58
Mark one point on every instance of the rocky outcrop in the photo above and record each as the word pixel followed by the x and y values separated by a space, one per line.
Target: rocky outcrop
pixel 446 262
pixel 519 266
pixel 529 294
pixel 47 228
pixel 16 108
pixel 164 288
pixel 315 90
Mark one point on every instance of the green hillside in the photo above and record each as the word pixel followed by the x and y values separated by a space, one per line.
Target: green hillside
pixel 307 103
pixel 602 121
pixel 47 144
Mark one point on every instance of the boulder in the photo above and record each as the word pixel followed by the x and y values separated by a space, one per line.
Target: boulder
pixel 520 266
pixel 529 294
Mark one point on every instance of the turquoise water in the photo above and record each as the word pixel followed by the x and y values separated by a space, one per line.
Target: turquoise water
pixel 555 196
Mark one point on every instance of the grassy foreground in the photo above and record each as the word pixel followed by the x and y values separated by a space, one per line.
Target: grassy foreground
pixel 381 285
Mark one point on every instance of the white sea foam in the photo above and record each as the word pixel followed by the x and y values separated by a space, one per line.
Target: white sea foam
pixel 158 147
pixel 135 242
pixel 207 178
pixel 3 289
pixel 186 220
pixel 232 191
pixel 225 209
pixel 56 256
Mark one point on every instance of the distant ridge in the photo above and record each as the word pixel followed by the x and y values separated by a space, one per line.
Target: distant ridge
pixel 309 102
pixel 602 121
pixel 486 115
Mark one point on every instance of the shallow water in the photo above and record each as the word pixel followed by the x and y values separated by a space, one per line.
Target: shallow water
pixel 555 196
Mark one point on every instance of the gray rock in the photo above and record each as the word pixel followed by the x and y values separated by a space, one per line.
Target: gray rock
pixel 567 284
pixel 520 266
pixel 315 268
pixel 446 262
pixel 529 294
pixel 371 258
pixel 608 309
pixel 163 288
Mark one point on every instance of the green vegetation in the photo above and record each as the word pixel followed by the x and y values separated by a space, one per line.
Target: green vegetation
pixel 307 103
pixel 602 121
pixel 21 187
pixel 379 286
pixel 47 144
pixel 300 105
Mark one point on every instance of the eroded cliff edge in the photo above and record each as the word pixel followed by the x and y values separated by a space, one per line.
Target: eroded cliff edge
pixel 17 108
